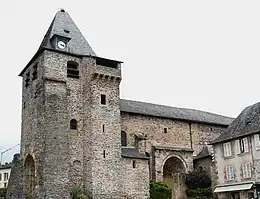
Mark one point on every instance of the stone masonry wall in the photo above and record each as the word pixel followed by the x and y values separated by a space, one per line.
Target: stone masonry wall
pixel 104 142
pixel 32 131
pixel 182 134
pixel 135 181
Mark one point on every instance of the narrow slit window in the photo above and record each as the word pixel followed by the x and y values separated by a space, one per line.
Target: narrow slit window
pixel 27 79
pixel 123 138
pixel 134 164
pixel 104 154
pixel 35 72
pixel 73 124
pixel 165 130
pixel 72 69
pixel 103 99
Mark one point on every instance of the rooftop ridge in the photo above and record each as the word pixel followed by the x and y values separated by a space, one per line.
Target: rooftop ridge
pixel 145 108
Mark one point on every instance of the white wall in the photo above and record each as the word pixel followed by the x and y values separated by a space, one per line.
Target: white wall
pixel 2 180
pixel 236 160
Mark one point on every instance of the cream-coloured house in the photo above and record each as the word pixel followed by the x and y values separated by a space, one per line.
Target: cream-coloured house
pixel 5 171
pixel 237 157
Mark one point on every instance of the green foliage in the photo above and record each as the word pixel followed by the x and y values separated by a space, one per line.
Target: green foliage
pixel 197 179
pixel 159 190
pixel 199 192
pixel 198 183
pixel 3 192
pixel 77 193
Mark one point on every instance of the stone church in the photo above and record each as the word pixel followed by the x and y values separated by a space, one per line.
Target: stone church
pixel 77 133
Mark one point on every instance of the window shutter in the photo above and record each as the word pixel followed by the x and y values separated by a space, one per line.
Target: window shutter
pixel 227 173
pixel 245 142
pixel 231 173
pixel 248 170
pixel 238 146
pixel 244 170
pixel 225 149
pixel 257 142
pixel 229 152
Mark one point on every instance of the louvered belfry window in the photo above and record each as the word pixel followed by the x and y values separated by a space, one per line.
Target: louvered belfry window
pixel 72 69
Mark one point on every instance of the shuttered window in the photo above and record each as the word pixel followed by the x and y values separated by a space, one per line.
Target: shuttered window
pixel 230 173
pixel 227 149
pixel 238 146
pixel 257 142
pixel 246 169
pixel 242 145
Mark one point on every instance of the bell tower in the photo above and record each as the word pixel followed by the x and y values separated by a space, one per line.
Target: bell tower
pixel 70 117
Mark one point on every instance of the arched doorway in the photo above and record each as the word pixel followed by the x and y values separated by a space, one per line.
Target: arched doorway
pixel 172 170
pixel 29 176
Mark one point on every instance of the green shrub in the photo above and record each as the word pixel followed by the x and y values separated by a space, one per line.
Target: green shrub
pixel 77 193
pixel 159 190
pixel 3 192
pixel 199 192
pixel 197 179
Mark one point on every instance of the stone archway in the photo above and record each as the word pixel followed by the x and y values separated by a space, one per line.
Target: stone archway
pixel 174 169
pixel 29 176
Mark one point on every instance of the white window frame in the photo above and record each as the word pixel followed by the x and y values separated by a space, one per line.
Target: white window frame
pixel 257 141
pixel 242 145
pixel 246 170
pixel 245 144
pixel 227 149
pixel 6 176
pixel 230 173
pixel 238 148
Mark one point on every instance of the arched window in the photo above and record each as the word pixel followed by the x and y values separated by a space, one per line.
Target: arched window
pixel 29 176
pixel 123 138
pixel 73 124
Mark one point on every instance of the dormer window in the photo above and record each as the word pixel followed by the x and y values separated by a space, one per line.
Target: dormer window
pixel 72 69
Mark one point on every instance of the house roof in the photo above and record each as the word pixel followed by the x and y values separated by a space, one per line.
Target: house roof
pixel 248 122
pixel 6 166
pixel 129 152
pixel 205 152
pixel 156 110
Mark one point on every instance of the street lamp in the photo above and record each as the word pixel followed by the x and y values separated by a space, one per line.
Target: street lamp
pixel 5 152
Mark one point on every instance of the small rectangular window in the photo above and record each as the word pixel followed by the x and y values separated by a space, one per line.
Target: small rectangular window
pixel 103 128
pixel 73 69
pixel 103 99
pixel 5 185
pixel 165 130
pixel 134 164
pixel 104 154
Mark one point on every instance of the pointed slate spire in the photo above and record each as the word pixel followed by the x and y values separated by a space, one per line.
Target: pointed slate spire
pixel 63 25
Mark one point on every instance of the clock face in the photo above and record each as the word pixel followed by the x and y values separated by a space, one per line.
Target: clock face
pixel 61 45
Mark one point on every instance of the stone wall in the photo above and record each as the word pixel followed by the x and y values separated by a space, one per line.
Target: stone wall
pixel 180 134
pixel 15 188
pixel 135 181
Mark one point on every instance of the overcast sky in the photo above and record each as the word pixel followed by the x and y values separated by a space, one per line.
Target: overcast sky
pixel 196 54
